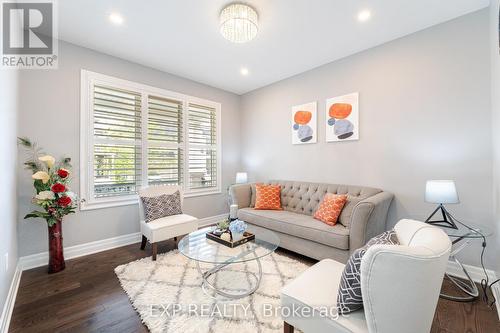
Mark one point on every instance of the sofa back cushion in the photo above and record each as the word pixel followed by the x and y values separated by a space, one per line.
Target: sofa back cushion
pixel 305 197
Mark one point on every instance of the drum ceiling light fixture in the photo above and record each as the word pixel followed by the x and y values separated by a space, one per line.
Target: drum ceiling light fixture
pixel 238 23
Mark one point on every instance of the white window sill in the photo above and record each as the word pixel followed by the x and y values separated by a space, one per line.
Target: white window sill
pixel 135 200
pixel 201 193
pixel 108 204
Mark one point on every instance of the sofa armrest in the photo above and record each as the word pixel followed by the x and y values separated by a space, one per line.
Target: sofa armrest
pixel 241 195
pixel 368 219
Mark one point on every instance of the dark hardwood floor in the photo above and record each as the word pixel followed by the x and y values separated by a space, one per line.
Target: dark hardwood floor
pixel 87 297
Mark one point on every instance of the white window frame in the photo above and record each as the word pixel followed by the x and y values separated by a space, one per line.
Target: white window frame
pixel 88 80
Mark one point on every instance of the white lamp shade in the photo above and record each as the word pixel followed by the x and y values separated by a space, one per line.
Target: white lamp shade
pixel 441 192
pixel 241 177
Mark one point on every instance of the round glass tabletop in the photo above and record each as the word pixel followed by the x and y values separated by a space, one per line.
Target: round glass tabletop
pixel 472 231
pixel 462 231
pixel 198 247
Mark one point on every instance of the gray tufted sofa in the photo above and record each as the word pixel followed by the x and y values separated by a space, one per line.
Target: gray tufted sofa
pixel 363 217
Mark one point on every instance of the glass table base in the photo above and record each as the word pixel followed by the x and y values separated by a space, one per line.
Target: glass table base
pixel 468 287
pixel 206 285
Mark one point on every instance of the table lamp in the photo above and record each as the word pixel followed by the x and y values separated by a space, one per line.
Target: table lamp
pixel 241 177
pixel 441 192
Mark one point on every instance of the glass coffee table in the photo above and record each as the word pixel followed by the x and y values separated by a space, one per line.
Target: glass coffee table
pixel 196 246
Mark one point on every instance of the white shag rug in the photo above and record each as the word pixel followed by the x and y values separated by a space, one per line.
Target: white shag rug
pixel 168 296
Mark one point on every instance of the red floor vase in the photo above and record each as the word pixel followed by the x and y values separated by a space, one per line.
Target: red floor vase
pixel 56 255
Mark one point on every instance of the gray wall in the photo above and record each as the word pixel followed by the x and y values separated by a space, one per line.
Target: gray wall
pixel 495 107
pixel 49 114
pixel 424 114
pixel 8 167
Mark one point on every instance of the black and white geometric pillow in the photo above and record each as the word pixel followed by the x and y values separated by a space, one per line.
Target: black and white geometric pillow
pixel 161 206
pixel 349 297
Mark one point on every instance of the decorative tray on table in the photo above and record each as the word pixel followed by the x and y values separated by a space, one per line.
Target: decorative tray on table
pixel 247 236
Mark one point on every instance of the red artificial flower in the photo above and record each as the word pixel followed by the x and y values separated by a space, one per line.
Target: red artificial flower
pixel 63 173
pixel 58 188
pixel 64 201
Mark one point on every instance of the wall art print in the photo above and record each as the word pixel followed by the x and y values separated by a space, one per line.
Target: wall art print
pixel 304 123
pixel 342 118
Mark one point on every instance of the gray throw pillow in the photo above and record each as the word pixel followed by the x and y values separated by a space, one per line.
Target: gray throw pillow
pixel 349 297
pixel 161 206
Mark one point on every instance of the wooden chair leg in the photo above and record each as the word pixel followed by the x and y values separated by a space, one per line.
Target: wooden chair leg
pixel 143 243
pixel 287 328
pixel 155 250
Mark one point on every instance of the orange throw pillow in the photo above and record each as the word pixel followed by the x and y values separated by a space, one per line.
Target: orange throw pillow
pixel 329 209
pixel 268 197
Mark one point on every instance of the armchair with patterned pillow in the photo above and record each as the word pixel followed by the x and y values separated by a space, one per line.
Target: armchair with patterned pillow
pixel 161 217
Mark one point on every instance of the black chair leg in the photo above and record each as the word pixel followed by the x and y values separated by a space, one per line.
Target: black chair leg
pixel 143 243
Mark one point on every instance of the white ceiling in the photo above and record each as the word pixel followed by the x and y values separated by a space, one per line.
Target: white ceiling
pixel 182 36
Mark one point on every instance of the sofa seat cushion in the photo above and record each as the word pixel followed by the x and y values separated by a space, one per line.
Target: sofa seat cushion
pixel 317 288
pixel 298 225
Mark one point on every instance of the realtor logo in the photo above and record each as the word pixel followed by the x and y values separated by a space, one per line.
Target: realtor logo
pixel 29 35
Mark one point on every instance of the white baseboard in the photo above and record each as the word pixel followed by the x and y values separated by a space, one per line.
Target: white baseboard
pixel 70 252
pixel 41 259
pixel 10 301
pixel 476 274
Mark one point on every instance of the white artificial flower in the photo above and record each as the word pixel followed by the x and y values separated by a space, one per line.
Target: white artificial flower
pixel 41 175
pixel 48 159
pixel 45 195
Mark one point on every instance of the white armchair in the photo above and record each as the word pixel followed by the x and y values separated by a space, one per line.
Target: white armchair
pixel 400 285
pixel 166 227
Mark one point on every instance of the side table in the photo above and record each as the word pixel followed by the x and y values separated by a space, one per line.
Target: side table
pixel 461 238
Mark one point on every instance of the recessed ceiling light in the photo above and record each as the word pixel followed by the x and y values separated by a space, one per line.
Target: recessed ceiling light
pixel 364 15
pixel 116 18
pixel 244 71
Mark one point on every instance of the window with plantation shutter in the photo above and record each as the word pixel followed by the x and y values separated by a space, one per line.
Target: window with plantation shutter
pixel 133 135
pixel 202 146
pixel 165 156
pixel 117 141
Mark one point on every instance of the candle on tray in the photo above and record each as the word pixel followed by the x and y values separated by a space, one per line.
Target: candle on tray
pixel 233 211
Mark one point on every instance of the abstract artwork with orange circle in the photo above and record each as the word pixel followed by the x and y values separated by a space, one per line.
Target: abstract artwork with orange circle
pixel 304 123
pixel 340 110
pixel 342 118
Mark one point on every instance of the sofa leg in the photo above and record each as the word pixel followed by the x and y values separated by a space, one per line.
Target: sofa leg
pixel 155 250
pixel 287 328
pixel 143 243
